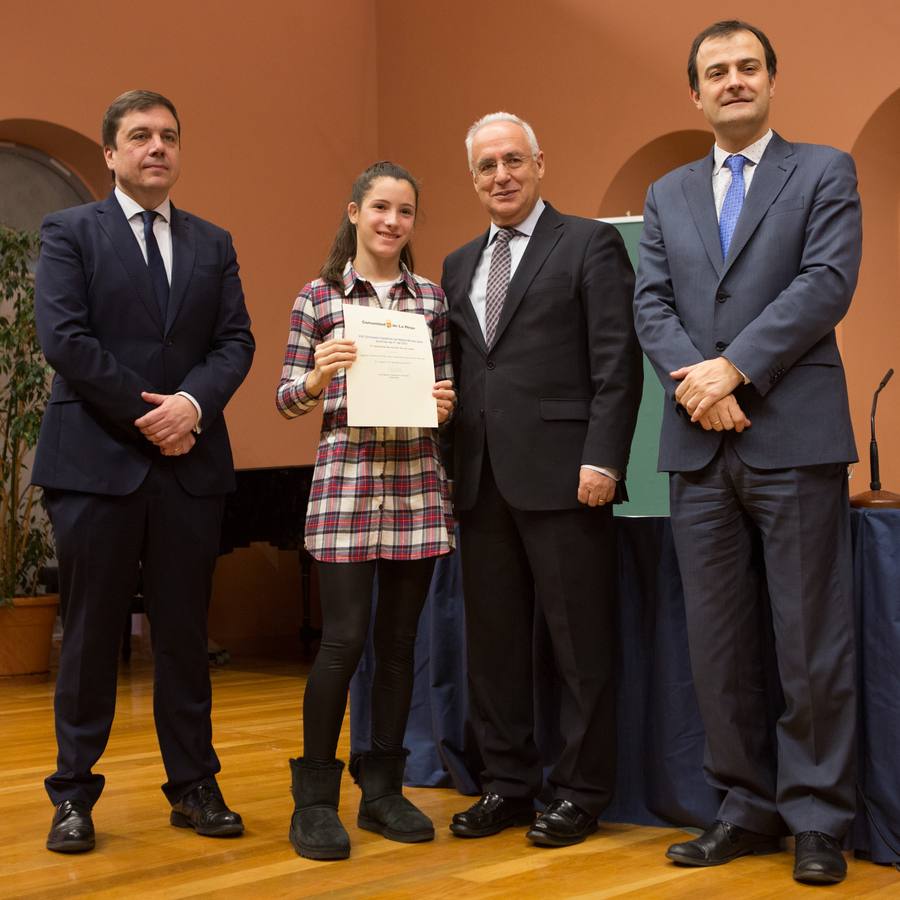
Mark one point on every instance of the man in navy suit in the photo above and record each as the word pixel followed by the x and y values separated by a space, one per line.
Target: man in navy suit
pixel 749 259
pixel 140 313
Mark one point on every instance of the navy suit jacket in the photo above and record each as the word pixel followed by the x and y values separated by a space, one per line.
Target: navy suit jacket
pixel 562 382
pixel 771 306
pixel 102 332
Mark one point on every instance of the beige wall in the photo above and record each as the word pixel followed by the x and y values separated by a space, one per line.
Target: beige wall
pixel 605 86
pixel 278 106
pixel 284 101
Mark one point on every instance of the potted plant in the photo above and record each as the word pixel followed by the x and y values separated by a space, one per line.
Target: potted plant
pixel 26 619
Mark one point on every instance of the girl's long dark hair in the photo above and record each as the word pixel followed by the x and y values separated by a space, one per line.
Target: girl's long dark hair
pixel 344 245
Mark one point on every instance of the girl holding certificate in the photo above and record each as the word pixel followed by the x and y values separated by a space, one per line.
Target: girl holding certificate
pixel 379 503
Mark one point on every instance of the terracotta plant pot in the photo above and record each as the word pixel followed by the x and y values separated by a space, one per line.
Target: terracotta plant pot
pixel 25 631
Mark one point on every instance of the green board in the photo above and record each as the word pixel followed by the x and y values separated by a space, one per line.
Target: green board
pixel 648 489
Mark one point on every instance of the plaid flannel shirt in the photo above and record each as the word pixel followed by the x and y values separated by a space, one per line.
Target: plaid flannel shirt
pixel 376 492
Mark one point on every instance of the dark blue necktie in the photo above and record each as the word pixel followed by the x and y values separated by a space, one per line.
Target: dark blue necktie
pixel 734 200
pixel 155 263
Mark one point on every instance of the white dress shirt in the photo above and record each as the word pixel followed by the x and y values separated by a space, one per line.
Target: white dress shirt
pixel 721 180
pixel 721 177
pixel 162 231
pixel 518 243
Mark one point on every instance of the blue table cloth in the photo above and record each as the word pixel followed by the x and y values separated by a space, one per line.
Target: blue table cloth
pixel 660 734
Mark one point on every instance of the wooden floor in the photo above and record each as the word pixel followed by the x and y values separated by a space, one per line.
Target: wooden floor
pixel 256 717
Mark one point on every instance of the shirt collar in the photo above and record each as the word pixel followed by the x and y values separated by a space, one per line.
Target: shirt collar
pixel 526 226
pixel 753 153
pixel 131 207
pixel 351 276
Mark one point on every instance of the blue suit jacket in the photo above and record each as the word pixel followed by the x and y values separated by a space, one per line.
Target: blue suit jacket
pixel 102 332
pixel 771 306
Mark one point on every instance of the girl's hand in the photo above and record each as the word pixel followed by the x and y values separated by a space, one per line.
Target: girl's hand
pixel 330 356
pixel 446 399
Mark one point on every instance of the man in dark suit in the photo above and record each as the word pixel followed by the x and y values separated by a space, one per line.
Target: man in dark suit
pixel 140 313
pixel 549 380
pixel 749 259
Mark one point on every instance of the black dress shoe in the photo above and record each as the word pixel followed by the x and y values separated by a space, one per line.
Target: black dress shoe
pixel 72 830
pixel 561 824
pixel 492 813
pixel 204 810
pixel 818 859
pixel 721 843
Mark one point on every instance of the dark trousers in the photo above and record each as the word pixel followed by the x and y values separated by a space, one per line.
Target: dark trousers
pixel 345 590
pixel 561 564
pixel 100 542
pixel 801 778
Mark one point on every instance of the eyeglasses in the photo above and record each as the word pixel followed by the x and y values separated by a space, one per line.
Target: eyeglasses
pixel 487 168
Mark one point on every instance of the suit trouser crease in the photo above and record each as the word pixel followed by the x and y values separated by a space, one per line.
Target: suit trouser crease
pixel 101 540
pixel 562 564
pixel 801 778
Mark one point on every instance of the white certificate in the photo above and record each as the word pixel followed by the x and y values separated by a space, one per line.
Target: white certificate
pixel 391 380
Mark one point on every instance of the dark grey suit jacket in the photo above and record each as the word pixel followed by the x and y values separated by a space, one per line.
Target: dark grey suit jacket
pixel 771 307
pixel 562 383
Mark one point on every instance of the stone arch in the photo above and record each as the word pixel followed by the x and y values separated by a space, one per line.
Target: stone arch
pixel 76 158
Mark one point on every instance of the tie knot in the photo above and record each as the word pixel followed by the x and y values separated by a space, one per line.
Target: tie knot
pixel 505 234
pixel 149 217
pixel 736 163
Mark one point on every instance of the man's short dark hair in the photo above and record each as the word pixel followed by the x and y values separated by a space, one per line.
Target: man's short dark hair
pixel 724 29
pixel 128 102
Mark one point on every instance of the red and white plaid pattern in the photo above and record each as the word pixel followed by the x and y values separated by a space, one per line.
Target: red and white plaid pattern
pixel 376 492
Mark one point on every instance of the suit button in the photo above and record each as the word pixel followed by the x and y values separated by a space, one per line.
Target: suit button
pixel 722 296
pixel 481 413
pixel 721 345
pixel 491 364
pixel 170 343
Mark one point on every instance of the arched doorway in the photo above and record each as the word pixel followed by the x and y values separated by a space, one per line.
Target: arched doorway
pixel 625 195
pixel 45 167
pixel 33 184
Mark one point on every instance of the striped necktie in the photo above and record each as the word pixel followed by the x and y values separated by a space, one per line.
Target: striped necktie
pixel 498 282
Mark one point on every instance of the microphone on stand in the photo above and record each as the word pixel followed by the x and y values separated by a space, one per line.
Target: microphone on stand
pixel 875 483
pixel 875 496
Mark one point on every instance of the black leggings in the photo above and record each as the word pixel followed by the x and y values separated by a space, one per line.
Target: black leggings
pixel 345 590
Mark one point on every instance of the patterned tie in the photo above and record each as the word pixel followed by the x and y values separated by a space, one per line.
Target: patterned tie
pixel 734 200
pixel 155 263
pixel 498 282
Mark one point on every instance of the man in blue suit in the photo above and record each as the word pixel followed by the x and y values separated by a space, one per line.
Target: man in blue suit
pixel 140 313
pixel 749 259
